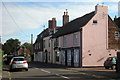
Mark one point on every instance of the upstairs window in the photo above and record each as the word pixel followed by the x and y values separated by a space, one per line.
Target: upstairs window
pixel 56 44
pixel 49 42
pixel 75 40
pixel 64 41
pixel 43 43
pixel 116 35
pixel 35 46
pixel 39 45
pixel 95 21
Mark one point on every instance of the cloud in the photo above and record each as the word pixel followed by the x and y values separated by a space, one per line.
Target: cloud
pixel 16 18
pixel 22 17
pixel 61 0
pixel 19 18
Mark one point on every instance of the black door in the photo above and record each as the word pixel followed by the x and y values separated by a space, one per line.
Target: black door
pixel 72 58
pixel 65 57
pixel 46 56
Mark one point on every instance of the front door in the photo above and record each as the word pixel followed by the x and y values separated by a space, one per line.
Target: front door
pixel 65 57
pixel 72 58
pixel 46 59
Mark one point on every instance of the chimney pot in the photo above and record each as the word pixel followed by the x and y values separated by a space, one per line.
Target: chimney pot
pixel 53 18
pixel 64 13
pixel 115 17
pixel 65 17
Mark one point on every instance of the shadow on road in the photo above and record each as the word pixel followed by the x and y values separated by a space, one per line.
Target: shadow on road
pixel 37 79
pixel 46 65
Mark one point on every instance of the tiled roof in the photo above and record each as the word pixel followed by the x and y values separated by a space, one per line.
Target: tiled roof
pixel 74 25
pixel 44 33
pixel 117 21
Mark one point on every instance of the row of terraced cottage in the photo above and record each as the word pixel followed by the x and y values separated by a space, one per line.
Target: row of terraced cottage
pixel 83 42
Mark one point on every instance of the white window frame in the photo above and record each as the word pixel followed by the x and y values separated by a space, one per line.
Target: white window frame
pixel 39 45
pixel 69 55
pixel 62 56
pixel 95 21
pixel 64 41
pixel 44 46
pixel 76 55
pixel 117 35
pixel 75 38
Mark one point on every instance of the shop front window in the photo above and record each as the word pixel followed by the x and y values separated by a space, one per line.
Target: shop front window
pixel 76 55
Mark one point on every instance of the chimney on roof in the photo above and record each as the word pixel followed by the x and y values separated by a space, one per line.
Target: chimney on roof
pixel 52 24
pixel 101 9
pixel 65 17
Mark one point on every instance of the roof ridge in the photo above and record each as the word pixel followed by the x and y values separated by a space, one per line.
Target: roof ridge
pixel 75 24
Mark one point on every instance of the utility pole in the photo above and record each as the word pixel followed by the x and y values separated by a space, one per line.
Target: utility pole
pixel 32 55
pixel 0 43
pixel 0 39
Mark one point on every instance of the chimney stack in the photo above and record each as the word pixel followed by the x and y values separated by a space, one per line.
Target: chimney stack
pixel 115 18
pixel 52 24
pixel 65 17
pixel 100 9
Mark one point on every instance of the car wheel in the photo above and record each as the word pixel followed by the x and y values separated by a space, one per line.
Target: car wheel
pixel 106 67
pixel 11 70
pixel 26 69
pixel 113 67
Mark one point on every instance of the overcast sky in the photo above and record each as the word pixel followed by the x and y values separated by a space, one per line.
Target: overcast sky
pixel 22 18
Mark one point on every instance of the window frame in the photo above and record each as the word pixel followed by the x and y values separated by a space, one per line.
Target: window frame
pixel 75 39
pixel 64 41
pixel 95 21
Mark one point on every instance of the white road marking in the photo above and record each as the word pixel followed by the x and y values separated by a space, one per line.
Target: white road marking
pixel 36 68
pixel 63 76
pixel 56 74
pixel 45 71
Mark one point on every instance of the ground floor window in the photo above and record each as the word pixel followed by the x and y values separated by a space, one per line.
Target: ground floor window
pixel 68 55
pixel 57 56
pixel 62 56
pixel 76 55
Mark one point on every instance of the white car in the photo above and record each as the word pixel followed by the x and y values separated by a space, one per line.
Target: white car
pixel 18 63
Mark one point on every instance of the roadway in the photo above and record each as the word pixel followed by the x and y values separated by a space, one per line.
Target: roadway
pixel 43 71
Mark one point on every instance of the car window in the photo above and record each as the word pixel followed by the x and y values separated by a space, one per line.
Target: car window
pixel 109 59
pixel 19 59
pixel 114 59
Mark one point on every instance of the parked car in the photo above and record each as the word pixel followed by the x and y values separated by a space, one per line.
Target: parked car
pixel 110 63
pixel 8 58
pixel 18 63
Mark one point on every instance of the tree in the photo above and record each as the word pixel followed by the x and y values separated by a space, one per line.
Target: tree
pixel 27 46
pixel 11 45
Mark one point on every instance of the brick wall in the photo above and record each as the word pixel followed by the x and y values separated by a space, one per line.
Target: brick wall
pixel 112 27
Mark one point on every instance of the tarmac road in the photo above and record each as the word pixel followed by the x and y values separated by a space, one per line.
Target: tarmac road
pixel 43 71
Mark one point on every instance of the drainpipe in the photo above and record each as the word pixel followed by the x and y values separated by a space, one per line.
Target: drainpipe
pixel 80 55
pixel 118 63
